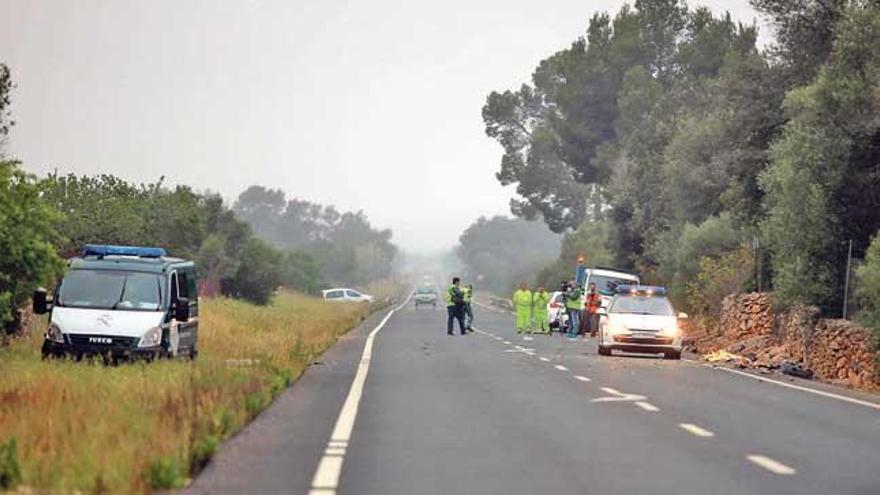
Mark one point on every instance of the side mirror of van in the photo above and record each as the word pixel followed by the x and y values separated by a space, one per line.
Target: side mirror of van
pixel 682 316
pixel 42 303
pixel 181 309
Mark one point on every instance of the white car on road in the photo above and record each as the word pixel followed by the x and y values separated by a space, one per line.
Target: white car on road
pixel 346 295
pixel 556 310
pixel 640 319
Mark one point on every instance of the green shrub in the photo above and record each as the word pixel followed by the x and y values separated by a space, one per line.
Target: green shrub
pixel 10 471
pixel 165 473
pixel 868 290
pixel 719 277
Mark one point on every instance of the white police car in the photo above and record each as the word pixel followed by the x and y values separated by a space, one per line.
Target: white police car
pixel 640 319
pixel 122 302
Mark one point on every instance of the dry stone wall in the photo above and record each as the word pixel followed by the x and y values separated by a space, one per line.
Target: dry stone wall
pixel 835 350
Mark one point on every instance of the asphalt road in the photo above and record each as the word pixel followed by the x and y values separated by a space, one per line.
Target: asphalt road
pixel 493 412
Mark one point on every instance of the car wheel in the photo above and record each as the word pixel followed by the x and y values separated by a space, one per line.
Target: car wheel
pixel 672 354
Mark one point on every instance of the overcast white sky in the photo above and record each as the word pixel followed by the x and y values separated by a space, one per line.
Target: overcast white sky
pixel 365 105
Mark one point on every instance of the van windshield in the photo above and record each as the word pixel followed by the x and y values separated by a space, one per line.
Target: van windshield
pixel 607 284
pixel 105 289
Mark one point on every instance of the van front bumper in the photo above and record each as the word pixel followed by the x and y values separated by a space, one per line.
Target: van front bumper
pixel 79 351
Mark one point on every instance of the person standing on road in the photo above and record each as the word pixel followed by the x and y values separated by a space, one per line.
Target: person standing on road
pixel 522 304
pixel 468 308
pixel 541 312
pixel 594 302
pixel 454 306
pixel 574 304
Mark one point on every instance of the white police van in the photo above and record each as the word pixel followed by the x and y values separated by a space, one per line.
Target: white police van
pixel 122 302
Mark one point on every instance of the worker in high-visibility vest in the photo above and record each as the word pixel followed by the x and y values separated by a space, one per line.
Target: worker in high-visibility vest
pixel 454 306
pixel 522 304
pixel 574 304
pixel 540 310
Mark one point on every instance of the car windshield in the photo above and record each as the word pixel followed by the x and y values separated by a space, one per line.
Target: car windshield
pixel 105 289
pixel 642 305
pixel 425 290
pixel 605 283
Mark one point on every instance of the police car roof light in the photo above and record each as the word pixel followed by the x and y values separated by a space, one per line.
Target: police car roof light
pixel 102 250
pixel 641 289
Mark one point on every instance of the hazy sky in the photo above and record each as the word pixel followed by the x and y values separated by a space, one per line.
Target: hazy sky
pixel 365 105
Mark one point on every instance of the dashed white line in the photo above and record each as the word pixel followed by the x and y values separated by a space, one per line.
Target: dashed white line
pixel 560 367
pixel 581 378
pixel 696 430
pixel 546 360
pixel 609 390
pixel 647 406
pixel 507 342
pixel 771 465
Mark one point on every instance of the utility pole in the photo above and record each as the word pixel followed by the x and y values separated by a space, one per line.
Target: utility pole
pixel 846 283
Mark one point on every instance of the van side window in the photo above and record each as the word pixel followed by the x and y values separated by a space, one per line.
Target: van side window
pixel 192 286
pixel 183 284
pixel 174 290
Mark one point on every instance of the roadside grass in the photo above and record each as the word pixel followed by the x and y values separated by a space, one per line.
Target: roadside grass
pixel 90 428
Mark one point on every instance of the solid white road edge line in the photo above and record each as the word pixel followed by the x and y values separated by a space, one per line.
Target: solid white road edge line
pixel 647 406
pixel 830 395
pixel 326 479
pixel 696 430
pixel 771 465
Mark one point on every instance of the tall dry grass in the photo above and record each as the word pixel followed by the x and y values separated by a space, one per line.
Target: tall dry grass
pixel 136 427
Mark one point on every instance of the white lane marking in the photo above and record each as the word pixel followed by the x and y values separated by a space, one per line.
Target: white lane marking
pixel 830 395
pixel 528 338
pixel 546 360
pixel 507 342
pixel 581 378
pixel 647 406
pixel 618 396
pixel 771 465
pixel 326 479
pixel 560 367
pixel 696 430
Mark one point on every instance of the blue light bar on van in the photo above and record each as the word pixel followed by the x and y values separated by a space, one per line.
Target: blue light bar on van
pixel 642 290
pixel 107 250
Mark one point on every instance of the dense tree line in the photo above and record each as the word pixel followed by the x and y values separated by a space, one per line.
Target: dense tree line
pixel 323 246
pixel 665 137
pixel 499 252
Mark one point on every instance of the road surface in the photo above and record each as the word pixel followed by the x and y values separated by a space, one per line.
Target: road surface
pixel 492 412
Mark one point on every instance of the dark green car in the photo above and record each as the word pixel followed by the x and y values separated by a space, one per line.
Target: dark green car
pixel 425 296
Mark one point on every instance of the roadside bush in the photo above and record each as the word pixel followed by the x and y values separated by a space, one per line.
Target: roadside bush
pixel 301 271
pixel 165 474
pixel 868 290
pixel 10 471
pixel 27 242
pixel 258 273
pixel 719 277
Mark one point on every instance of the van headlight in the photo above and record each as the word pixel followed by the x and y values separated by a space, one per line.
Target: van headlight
pixel 152 338
pixel 55 334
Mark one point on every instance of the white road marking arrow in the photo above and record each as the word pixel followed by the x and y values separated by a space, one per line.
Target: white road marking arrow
pixel 617 396
pixel 524 350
